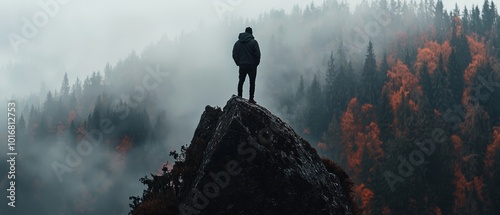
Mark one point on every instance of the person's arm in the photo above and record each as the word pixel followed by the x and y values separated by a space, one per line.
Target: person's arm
pixel 236 53
pixel 257 52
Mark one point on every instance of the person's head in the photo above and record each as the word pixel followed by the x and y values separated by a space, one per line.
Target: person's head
pixel 249 30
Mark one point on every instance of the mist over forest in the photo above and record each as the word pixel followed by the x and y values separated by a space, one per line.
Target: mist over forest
pixel 403 95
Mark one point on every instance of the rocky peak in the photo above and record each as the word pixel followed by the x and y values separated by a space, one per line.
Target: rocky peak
pixel 245 160
pixel 254 163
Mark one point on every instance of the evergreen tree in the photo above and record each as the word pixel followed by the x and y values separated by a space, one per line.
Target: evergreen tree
pixel 48 105
pixel 315 115
pixel 440 89
pixel 466 21
pixel 439 21
pixel 476 22
pixel 459 60
pixel 425 82
pixel 488 16
pixel 299 95
pixel 21 126
pixel 369 78
pixel 65 86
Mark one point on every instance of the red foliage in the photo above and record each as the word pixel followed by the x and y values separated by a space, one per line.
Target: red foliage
pixel 360 134
pixel 365 195
pixel 351 136
pixel 402 83
pixel 322 146
pixel 71 116
pixel 478 53
pixel 437 211
pixel 461 187
pixel 492 148
pixel 124 145
pixel 373 143
pixel 457 144
pixel 430 54
pixel 479 185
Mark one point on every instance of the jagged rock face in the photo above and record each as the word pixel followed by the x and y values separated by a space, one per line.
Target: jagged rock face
pixel 251 162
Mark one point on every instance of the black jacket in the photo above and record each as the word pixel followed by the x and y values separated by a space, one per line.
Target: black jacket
pixel 246 51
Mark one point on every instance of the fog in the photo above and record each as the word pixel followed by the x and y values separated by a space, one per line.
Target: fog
pixel 82 36
pixel 189 42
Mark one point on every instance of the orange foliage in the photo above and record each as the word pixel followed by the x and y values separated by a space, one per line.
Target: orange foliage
pixel 402 83
pixel 476 47
pixel 457 144
pixel 430 54
pixel 479 185
pixel 322 146
pixel 471 70
pixel 71 116
pixel 350 124
pixel 425 55
pixel 366 196
pixel 492 148
pixel 461 186
pixel 391 61
pixel 445 52
pixel 478 53
pixel 366 108
pixel 81 133
pixel 437 211
pixel 413 105
pixel 360 133
pixel 373 142
pixel 124 145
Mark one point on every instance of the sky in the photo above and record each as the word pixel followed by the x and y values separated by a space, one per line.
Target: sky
pixel 78 37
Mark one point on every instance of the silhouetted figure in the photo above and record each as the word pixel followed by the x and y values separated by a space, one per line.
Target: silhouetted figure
pixel 246 55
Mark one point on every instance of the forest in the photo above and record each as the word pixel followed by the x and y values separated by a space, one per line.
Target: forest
pixel 404 95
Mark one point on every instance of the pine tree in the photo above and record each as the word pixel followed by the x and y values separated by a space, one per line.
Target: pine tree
pixel 48 105
pixel 330 84
pixel 439 21
pixel 369 78
pixel 476 22
pixel 441 88
pixel 425 82
pixel 65 86
pixel 299 95
pixel 487 16
pixel 315 115
pixel 459 60
pixel 21 126
pixel 466 21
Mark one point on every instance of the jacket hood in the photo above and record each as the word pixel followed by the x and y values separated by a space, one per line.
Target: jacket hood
pixel 245 37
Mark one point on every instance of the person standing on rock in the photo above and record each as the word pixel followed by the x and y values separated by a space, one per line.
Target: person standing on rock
pixel 246 55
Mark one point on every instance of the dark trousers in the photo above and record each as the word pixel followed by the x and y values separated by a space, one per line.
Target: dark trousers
pixel 252 73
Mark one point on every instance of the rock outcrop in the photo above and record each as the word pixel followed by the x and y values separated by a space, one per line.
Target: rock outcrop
pixel 245 160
